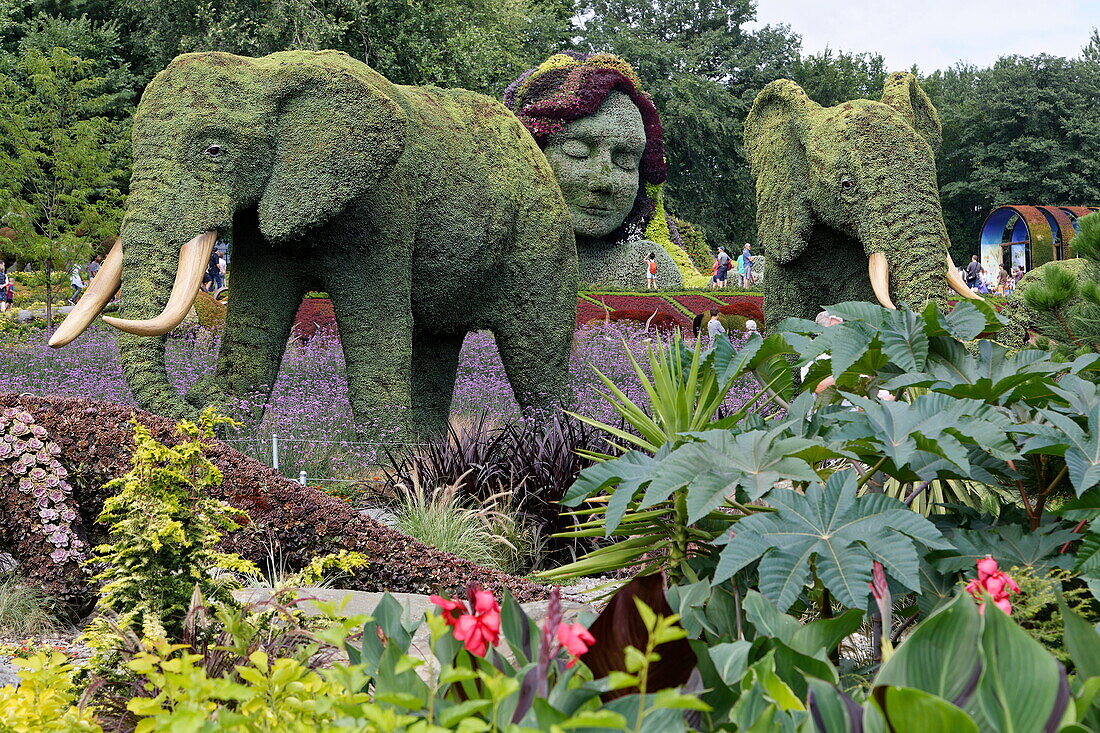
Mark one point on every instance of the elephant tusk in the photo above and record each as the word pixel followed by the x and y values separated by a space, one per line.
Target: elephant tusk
pixel 105 284
pixel 878 269
pixel 957 284
pixel 194 259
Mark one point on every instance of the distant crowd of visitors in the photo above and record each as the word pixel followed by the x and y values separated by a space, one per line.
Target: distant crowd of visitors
pixel 986 283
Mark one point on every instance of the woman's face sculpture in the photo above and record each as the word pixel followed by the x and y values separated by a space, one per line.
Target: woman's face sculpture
pixel 596 161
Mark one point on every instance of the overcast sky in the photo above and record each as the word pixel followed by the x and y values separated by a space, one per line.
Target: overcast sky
pixel 934 34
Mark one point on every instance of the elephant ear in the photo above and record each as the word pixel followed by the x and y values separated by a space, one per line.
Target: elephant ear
pixel 903 93
pixel 776 132
pixel 338 132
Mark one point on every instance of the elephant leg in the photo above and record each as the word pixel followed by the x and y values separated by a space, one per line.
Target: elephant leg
pixel 267 289
pixel 373 310
pixel 536 359
pixel 434 368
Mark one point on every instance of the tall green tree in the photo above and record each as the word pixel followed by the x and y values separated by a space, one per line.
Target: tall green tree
pixel 59 180
pixel 1024 131
pixel 832 77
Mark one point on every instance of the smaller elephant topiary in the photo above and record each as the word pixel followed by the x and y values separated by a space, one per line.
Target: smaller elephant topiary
pixel 425 213
pixel 847 202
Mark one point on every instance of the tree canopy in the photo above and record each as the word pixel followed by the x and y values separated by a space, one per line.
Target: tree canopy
pixel 1022 131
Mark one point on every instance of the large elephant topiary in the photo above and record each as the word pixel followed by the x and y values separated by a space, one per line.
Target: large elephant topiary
pixel 847 205
pixel 425 213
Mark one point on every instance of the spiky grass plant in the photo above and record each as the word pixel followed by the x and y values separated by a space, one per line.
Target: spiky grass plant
pixel 25 610
pixel 488 533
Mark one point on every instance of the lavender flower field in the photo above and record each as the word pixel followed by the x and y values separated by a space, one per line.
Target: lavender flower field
pixel 309 408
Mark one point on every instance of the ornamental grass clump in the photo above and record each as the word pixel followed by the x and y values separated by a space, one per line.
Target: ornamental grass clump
pixel 164 528
pixel 25 609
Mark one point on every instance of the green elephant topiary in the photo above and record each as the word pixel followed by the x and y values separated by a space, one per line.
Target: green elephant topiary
pixel 847 202
pixel 425 213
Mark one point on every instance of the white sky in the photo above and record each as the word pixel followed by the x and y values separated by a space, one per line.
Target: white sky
pixel 934 34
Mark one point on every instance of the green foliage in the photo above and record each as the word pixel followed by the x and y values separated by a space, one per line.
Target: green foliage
pixel 45 699
pixel 59 156
pixel 25 610
pixel 833 534
pixel 1060 301
pixel 491 535
pixel 163 533
pixel 1036 607
pixel 926 409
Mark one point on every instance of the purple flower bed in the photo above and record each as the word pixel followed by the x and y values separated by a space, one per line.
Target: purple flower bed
pixel 309 408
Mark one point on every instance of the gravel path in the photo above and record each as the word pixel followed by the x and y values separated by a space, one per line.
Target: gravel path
pixel 8 674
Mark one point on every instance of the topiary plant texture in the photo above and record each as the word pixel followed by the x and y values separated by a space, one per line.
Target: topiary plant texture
pixel 432 206
pixel 847 202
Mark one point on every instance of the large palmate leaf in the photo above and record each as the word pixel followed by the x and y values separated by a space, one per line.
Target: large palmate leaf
pixel 841 533
pixel 722 464
pixel 1011 545
pixel 1081 446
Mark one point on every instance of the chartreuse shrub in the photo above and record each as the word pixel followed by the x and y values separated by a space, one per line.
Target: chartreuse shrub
pixel 164 530
pixel 45 699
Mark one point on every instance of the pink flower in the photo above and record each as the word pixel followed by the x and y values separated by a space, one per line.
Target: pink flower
pixel 576 639
pixel 992 582
pixel 451 609
pixel 478 630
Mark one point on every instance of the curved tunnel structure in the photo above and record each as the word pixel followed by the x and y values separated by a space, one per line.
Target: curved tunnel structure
pixel 1032 235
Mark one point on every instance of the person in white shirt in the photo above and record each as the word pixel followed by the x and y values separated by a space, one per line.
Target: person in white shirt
pixel 76 281
pixel 714 326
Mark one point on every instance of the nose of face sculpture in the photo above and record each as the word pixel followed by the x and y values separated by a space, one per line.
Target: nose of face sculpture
pixel 596 162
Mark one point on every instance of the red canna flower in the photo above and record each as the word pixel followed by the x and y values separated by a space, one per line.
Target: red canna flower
pixel 576 639
pixel 451 609
pixel 481 629
pixel 993 582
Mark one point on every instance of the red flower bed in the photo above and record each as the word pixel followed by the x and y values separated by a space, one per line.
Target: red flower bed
pixel 588 311
pixel 314 314
pixel 696 303
pixel 662 321
pixel 648 303
pixel 748 310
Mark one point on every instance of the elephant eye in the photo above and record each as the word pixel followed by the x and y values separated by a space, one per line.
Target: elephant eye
pixel 213 150
pixel 846 183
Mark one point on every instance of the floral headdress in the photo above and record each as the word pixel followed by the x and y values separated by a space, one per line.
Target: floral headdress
pixel 571 85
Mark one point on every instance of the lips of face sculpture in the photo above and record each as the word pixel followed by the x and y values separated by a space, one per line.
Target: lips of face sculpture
pixel 596 160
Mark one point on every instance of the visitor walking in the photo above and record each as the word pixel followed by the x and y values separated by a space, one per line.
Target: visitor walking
pixel 973 271
pixel 714 326
pixel 744 267
pixel 213 272
pixel 5 288
pixel 651 271
pixel 93 267
pixel 76 281
pixel 1002 280
pixel 722 267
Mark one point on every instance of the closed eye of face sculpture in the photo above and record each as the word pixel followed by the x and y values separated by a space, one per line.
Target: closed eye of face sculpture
pixel 596 161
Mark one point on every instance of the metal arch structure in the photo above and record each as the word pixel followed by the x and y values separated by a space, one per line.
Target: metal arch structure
pixel 1033 235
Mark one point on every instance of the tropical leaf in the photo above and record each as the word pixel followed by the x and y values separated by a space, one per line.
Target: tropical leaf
pixel 843 534
pixel 1010 545
pixel 723 463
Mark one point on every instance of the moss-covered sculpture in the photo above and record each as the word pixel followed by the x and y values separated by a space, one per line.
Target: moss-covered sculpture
pixel 847 205
pixel 603 138
pixel 431 206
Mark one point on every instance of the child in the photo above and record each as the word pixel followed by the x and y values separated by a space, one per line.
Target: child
pixel 651 271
